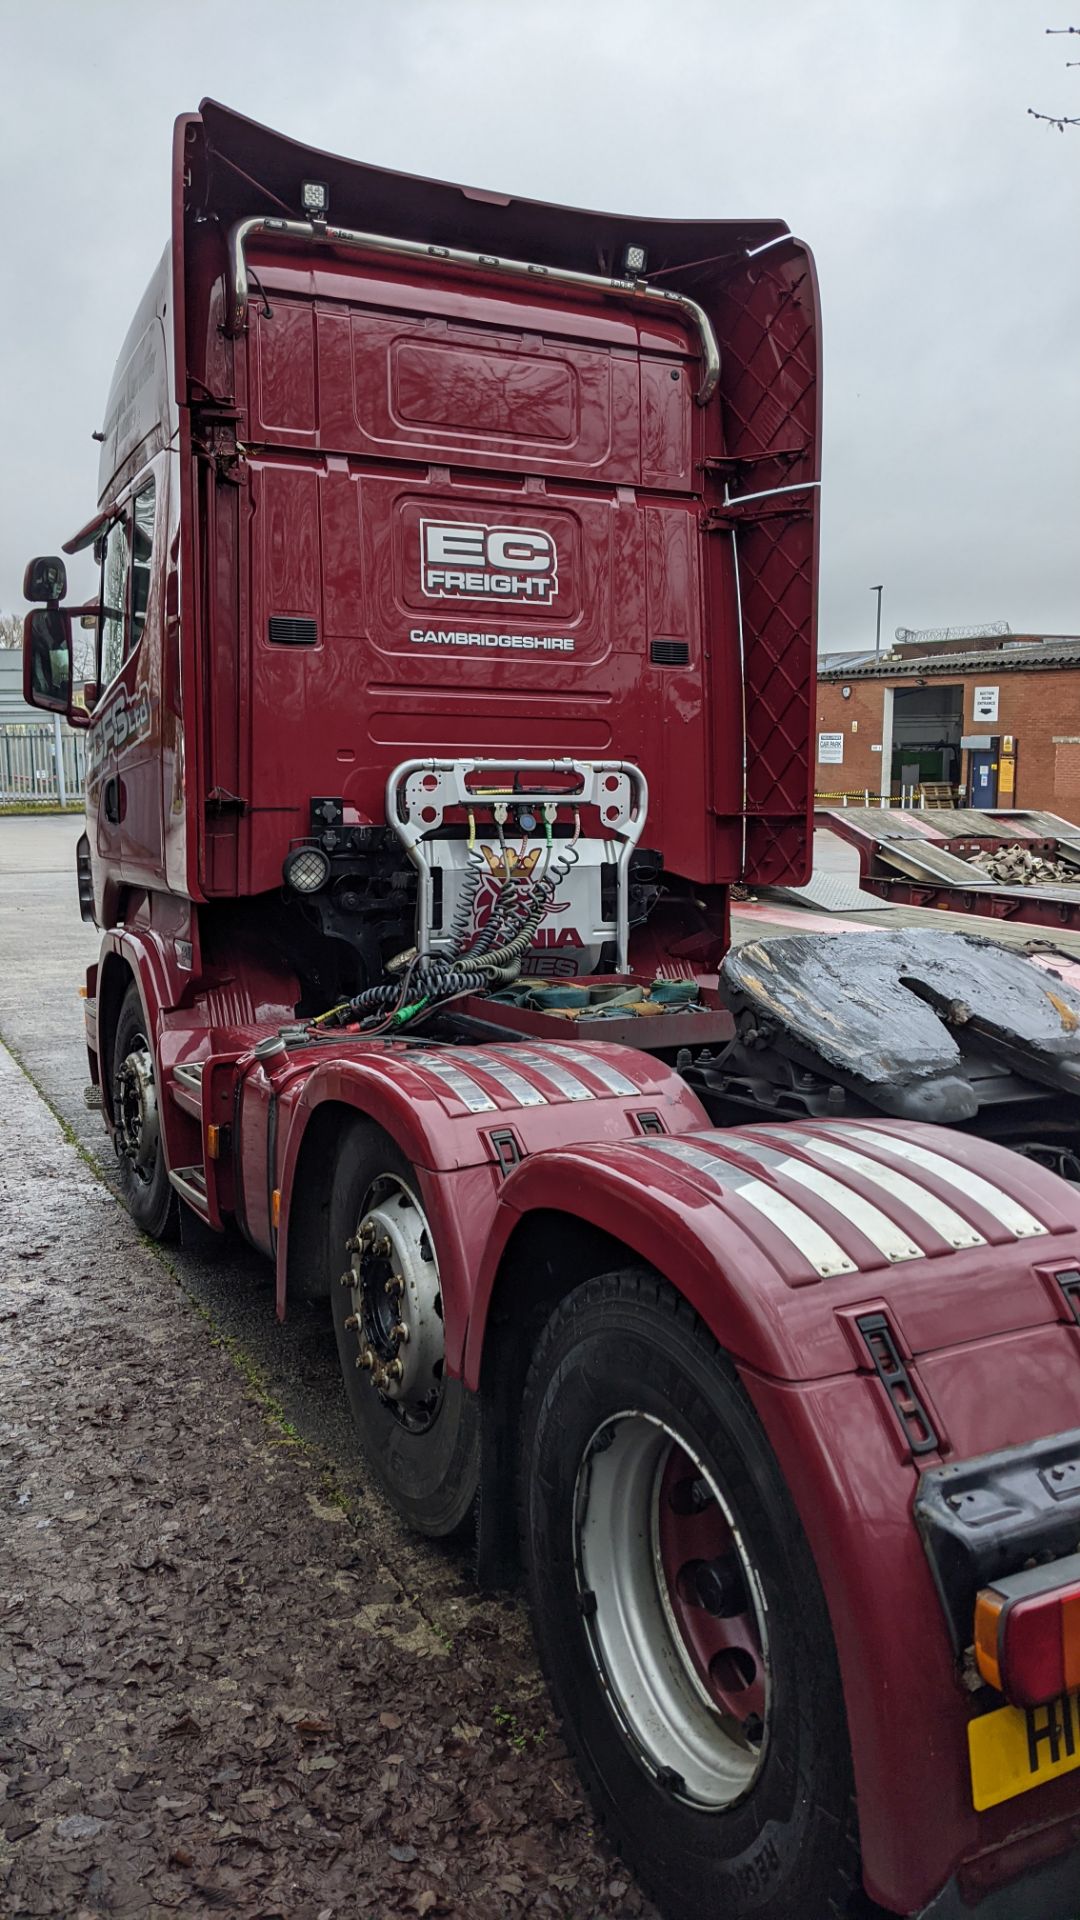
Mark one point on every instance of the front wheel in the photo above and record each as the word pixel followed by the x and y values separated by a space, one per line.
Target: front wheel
pixel 420 1430
pixel 141 1173
pixel 679 1615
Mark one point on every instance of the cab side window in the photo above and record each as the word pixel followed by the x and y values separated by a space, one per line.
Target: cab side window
pixel 125 581
pixel 115 567
pixel 142 546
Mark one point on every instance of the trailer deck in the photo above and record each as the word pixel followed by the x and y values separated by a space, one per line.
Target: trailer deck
pixel 924 859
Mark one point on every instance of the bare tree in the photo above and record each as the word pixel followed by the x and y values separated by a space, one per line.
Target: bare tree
pixel 1060 120
pixel 11 625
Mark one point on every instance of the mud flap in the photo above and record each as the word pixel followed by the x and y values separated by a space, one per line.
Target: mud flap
pixel 1050 1892
pixel 497 1566
pixel 881 1013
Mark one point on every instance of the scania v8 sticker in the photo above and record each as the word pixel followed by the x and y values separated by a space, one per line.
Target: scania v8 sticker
pixel 469 560
pixel 520 867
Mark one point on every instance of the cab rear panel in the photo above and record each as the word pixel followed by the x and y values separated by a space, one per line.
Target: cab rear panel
pixel 470 517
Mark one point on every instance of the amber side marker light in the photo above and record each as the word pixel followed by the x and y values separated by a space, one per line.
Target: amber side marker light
pixel 1027 1633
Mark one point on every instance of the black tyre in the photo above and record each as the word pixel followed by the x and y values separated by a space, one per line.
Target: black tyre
pixel 142 1174
pixel 679 1615
pixel 420 1430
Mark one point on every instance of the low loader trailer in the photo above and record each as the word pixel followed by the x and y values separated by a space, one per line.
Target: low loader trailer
pixel 1011 864
pixel 453 659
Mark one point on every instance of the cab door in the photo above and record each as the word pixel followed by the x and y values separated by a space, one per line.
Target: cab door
pixel 102 781
pixel 129 818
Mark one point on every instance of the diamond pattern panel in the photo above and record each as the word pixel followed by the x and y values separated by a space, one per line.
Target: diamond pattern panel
pixel 770 397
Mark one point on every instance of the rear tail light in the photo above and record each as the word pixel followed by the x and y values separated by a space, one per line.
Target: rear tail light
pixel 1027 1633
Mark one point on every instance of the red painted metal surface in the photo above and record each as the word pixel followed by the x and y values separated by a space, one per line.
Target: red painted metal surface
pixel 989 903
pixel 724 1645
pixel 771 329
pixel 190 1015
pixel 908 1721
pixel 448 1137
pixel 296 462
pixel 653 1033
pixel 994 1357
pixel 770 1307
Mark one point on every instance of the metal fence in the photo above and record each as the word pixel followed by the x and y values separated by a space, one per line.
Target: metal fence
pixel 908 797
pixel 41 764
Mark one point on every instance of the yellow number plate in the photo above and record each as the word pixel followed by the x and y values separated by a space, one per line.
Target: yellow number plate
pixel 1016 1748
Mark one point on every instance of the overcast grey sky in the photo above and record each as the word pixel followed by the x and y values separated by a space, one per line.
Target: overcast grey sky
pixel 891 134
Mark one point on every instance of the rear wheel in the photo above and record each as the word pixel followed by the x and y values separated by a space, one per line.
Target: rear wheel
pixel 679 1615
pixel 142 1175
pixel 420 1430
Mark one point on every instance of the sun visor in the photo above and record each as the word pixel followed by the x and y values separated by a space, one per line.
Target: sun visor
pixel 88 534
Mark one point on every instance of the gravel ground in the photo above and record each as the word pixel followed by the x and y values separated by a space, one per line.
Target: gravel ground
pixel 230 1682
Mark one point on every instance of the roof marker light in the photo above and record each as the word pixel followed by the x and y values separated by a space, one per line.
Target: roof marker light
pixel 315 198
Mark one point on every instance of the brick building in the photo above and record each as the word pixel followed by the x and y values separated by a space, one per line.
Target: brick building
pixel 998 720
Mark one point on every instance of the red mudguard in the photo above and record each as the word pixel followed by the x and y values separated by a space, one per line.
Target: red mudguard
pixel 784 1239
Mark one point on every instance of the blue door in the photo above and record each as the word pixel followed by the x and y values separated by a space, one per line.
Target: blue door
pixel 984 777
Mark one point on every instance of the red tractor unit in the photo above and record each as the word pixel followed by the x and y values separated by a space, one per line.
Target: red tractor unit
pixel 454 659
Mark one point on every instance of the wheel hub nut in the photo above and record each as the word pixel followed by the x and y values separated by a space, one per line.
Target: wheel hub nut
pixel 719 1587
pixel 397 1304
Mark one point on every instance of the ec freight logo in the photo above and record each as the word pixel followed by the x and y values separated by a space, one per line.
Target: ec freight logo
pixel 469 561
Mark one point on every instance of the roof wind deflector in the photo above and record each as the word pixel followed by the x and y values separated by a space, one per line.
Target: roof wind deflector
pixel 321 233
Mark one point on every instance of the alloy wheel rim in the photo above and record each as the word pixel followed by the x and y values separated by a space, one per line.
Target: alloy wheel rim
pixel 674 1610
pixel 397 1313
pixel 137 1125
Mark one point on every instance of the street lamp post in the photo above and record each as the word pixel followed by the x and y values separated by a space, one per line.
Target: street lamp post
pixel 877 638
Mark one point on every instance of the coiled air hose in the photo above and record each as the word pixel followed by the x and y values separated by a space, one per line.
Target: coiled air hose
pixel 462 919
pixel 493 959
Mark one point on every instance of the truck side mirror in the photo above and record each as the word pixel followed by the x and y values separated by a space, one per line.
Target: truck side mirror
pixel 45 578
pixel 47 664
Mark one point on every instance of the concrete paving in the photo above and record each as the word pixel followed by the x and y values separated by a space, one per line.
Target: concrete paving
pixel 45 949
